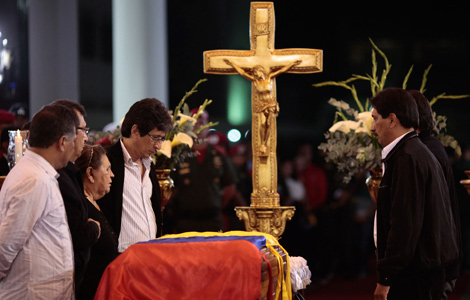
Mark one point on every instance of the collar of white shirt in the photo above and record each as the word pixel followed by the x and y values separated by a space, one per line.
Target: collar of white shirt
pixel 42 162
pixel 128 158
pixel 386 150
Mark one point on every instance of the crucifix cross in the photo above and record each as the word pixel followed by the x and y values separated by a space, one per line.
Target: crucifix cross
pixel 261 64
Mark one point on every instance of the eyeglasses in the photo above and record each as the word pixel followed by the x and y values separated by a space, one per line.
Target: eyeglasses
pixel 84 129
pixel 156 139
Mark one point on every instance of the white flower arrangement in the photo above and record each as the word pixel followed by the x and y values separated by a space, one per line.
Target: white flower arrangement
pixel 180 139
pixel 350 144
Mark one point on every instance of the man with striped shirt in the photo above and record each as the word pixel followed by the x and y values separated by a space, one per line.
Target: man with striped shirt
pixel 36 255
pixel 133 205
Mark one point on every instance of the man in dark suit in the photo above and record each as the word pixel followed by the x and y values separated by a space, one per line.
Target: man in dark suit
pixel 85 231
pixel 133 205
pixel 416 232
pixel 426 125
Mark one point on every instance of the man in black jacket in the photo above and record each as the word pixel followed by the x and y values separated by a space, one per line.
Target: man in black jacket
pixel 133 205
pixel 416 232
pixel 85 231
pixel 426 125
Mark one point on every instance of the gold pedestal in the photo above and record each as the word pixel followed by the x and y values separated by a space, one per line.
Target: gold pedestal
pixel 166 185
pixel 270 220
pixel 373 182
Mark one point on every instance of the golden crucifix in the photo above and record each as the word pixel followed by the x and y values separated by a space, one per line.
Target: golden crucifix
pixel 261 65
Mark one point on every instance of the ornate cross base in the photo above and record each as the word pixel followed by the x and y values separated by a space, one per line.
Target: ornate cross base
pixel 270 220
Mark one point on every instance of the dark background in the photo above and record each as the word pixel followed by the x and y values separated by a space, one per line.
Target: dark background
pixel 418 36
pixel 412 34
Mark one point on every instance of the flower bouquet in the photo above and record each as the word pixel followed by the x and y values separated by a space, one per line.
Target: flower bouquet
pixel 350 144
pixel 179 140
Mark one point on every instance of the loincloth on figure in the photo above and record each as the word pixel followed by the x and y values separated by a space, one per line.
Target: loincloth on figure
pixel 266 106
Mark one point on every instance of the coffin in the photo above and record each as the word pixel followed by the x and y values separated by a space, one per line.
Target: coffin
pixel 194 265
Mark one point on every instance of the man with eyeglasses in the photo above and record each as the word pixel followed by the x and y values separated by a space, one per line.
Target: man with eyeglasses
pixel 133 205
pixel 85 231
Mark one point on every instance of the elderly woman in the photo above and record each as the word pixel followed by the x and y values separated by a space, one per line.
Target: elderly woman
pixel 97 176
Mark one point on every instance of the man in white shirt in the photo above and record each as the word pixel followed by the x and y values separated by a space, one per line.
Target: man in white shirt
pixel 36 255
pixel 133 205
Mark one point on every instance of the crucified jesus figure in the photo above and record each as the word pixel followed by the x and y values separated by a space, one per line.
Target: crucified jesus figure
pixel 265 101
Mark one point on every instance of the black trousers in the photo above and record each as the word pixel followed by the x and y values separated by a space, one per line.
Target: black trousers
pixel 418 285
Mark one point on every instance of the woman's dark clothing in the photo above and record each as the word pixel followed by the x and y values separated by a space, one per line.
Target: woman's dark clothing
pixel 102 253
pixel 84 233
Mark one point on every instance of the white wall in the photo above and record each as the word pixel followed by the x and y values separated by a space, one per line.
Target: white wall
pixel 53 52
pixel 140 66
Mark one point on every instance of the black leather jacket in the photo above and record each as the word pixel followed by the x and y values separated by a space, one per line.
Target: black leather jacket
pixel 415 226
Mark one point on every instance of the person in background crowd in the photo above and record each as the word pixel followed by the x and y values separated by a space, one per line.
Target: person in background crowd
pixel 205 184
pixel 4 143
pixel 6 119
pixel 239 155
pixel 313 177
pixel 21 114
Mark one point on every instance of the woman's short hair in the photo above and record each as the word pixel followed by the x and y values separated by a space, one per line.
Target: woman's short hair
pixel 91 156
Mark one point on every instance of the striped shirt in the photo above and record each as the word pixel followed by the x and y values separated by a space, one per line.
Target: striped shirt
pixel 138 221
pixel 36 255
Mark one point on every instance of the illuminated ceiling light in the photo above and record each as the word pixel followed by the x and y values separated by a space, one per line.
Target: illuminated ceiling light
pixel 234 135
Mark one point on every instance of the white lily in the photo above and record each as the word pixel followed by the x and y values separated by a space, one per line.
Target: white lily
pixel 363 130
pixel 165 149
pixel 365 122
pixel 344 126
pixel 365 118
pixel 185 118
pixel 181 138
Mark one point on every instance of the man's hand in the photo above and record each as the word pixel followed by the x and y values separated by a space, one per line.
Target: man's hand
pixel 97 223
pixel 381 292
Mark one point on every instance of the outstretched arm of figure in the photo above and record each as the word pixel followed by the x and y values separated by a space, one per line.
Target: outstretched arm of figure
pixel 285 68
pixel 239 70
